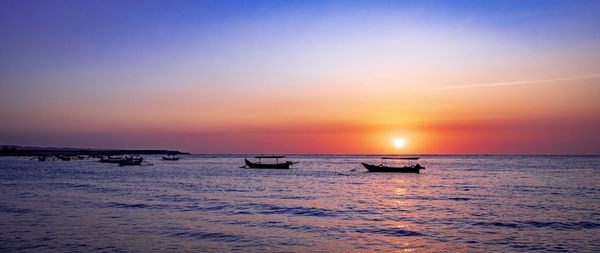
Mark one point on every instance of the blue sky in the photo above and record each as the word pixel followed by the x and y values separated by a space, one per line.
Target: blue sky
pixel 36 30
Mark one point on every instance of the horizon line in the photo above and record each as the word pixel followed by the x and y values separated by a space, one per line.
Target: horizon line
pixel 305 154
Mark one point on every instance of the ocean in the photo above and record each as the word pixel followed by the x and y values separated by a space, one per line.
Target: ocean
pixel 323 204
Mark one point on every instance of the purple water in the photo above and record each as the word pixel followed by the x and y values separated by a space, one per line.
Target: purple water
pixel 459 203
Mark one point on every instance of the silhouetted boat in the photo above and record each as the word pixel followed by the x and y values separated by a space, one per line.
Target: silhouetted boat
pixel 403 169
pixel 170 158
pixel 276 165
pixel 110 159
pixel 63 157
pixel 131 161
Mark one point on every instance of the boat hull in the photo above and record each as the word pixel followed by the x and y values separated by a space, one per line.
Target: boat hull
pixel 381 168
pixel 131 162
pixel 110 160
pixel 64 158
pixel 252 165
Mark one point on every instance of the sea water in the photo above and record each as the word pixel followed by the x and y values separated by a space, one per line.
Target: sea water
pixel 323 204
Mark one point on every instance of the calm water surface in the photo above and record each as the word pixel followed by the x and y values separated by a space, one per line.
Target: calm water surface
pixel 477 203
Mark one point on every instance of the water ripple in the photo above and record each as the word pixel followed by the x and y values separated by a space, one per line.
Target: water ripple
pixel 200 203
pixel 389 231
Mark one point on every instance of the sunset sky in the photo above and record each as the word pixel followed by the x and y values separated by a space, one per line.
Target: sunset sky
pixel 336 77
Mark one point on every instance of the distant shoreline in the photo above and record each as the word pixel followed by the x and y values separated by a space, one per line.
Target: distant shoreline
pixel 16 150
pixel 13 150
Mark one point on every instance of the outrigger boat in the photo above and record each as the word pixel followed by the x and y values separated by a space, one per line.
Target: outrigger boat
pixel 110 159
pixel 123 161
pixel 170 158
pixel 63 157
pixel 131 161
pixel 410 168
pixel 276 165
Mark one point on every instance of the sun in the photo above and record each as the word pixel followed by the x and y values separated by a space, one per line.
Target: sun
pixel 399 143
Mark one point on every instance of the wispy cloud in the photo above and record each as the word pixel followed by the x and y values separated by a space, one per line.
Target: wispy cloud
pixel 514 83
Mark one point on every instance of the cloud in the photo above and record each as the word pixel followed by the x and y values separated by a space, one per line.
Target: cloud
pixel 515 83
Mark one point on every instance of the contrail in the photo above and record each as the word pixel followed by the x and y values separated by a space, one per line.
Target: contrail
pixel 481 85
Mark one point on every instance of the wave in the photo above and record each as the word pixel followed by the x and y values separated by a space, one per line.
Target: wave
pixel 541 224
pixel 389 231
pixel 8 209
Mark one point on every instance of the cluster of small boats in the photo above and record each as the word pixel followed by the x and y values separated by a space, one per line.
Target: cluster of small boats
pixel 43 158
pixel 133 160
pixel 120 160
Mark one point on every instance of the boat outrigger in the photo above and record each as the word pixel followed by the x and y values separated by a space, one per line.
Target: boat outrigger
pixel 410 168
pixel 276 165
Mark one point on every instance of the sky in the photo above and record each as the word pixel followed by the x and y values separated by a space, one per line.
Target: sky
pixel 306 77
